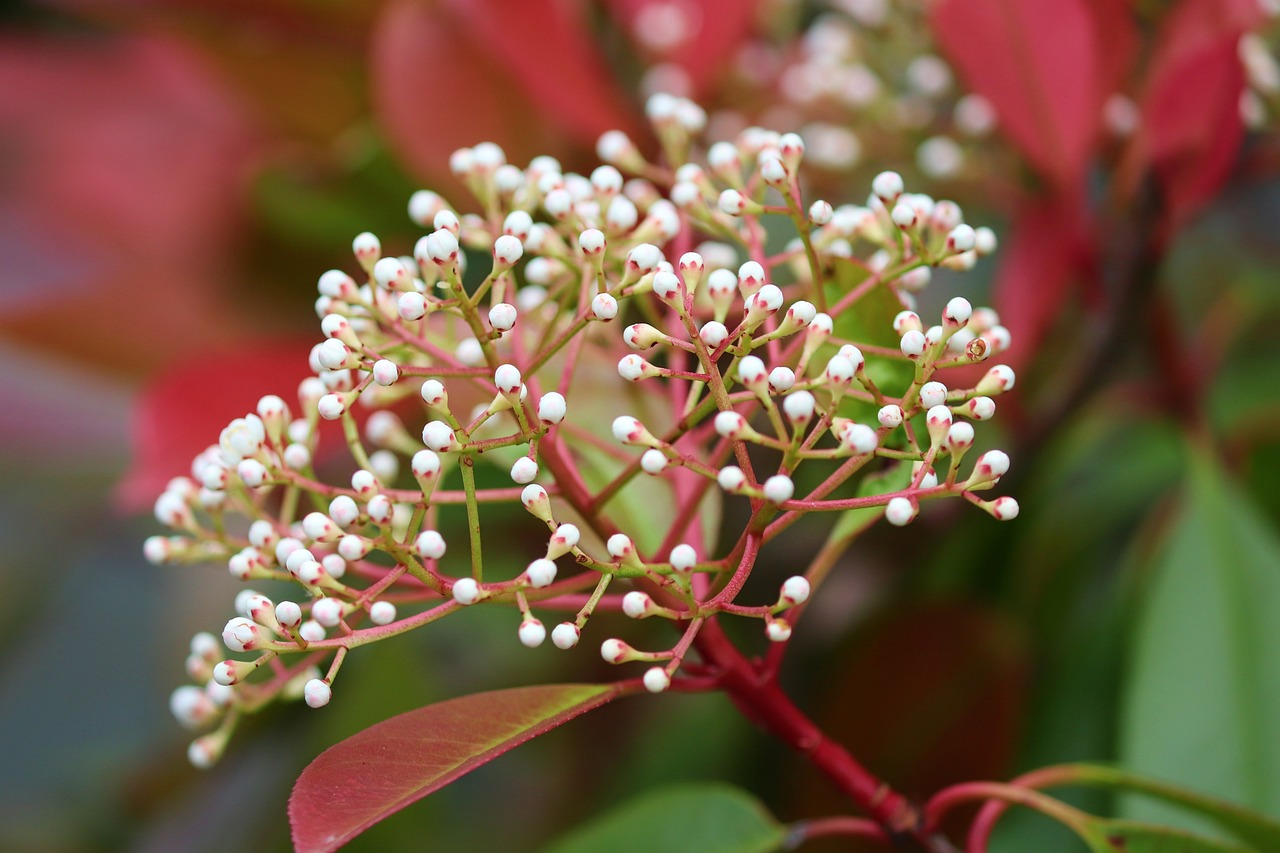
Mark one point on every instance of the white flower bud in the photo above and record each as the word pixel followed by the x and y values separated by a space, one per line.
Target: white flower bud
pixel 731 202
pixel 656 679
pixel 634 368
pixel 961 239
pixel 781 379
pixel 289 614
pixel 438 436
pixel 933 394
pixel 1004 508
pixel 795 590
pixel 887 186
pixel 683 558
pixel 241 635
pixel 429 545
pixel 551 408
pixel 859 438
pixel 411 305
pixel 731 478
pixel 532 633
pixel 317 693
pixel 713 334
pixel 778 489
pixel 311 631
pixel 604 307
pixel 541 573
pixel 654 461
pixel 912 344
pixel 502 317
pixel 565 635
pixel 466 591
pixel 331 406
pixel 385 372
pixel 981 408
pixel 637 604
pixel 899 511
pixel 997 380
pixel 620 546
pixel 798 407
pixel 614 650
pixel 327 611
pixel 507 378
pixel 507 249
pixel 525 470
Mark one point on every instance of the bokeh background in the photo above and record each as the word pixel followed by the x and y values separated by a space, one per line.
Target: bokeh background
pixel 174 176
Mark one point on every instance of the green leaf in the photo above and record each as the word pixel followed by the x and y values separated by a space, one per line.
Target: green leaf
pixel 702 818
pixel 870 321
pixel 1203 700
pixel 1126 836
pixel 376 773
pixel 1253 827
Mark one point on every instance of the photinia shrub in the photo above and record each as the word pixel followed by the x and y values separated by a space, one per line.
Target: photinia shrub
pixel 666 365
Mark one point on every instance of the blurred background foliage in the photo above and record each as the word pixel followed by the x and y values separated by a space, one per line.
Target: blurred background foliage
pixel 175 175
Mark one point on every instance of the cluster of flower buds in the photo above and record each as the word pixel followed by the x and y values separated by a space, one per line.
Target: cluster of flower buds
pixel 451 389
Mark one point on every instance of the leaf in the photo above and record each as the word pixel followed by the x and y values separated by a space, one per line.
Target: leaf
pixel 1038 63
pixel 1250 826
pixel 1190 107
pixel 451 74
pixel 1204 691
pixel 374 774
pixel 182 410
pixel 1123 836
pixel 562 73
pixel 695 818
pixel 869 321
pixel 1036 270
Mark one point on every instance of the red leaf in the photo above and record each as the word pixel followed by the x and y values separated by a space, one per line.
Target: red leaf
pixel 376 773
pixel 561 73
pixel 124 162
pixel 1039 64
pixel 1191 106
pixel 1037 264
pixel 182 410
pixel 1115 27
pixel 447 75
pixel 711 33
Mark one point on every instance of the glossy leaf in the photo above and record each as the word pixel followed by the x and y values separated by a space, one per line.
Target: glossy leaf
pixel 384 768
pixel 1039 64
pixel 696 818
pixel 1204 690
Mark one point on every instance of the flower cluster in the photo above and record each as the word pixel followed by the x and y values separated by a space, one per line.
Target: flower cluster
pixel 741 374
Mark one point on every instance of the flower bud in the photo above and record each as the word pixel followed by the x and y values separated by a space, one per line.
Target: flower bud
pixel 656 679
pixel 466 591
pixel 900 511
pixel 565 635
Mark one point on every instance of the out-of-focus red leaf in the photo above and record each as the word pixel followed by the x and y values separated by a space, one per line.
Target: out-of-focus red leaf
pixel 182 410
pixel 1192 127
pixel 447 74
pixel 698 36
pixel 376 773
pixel 1038 261
pixel 1039 64
pixel 1116 30
pixel 122 168
pixel 560 71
